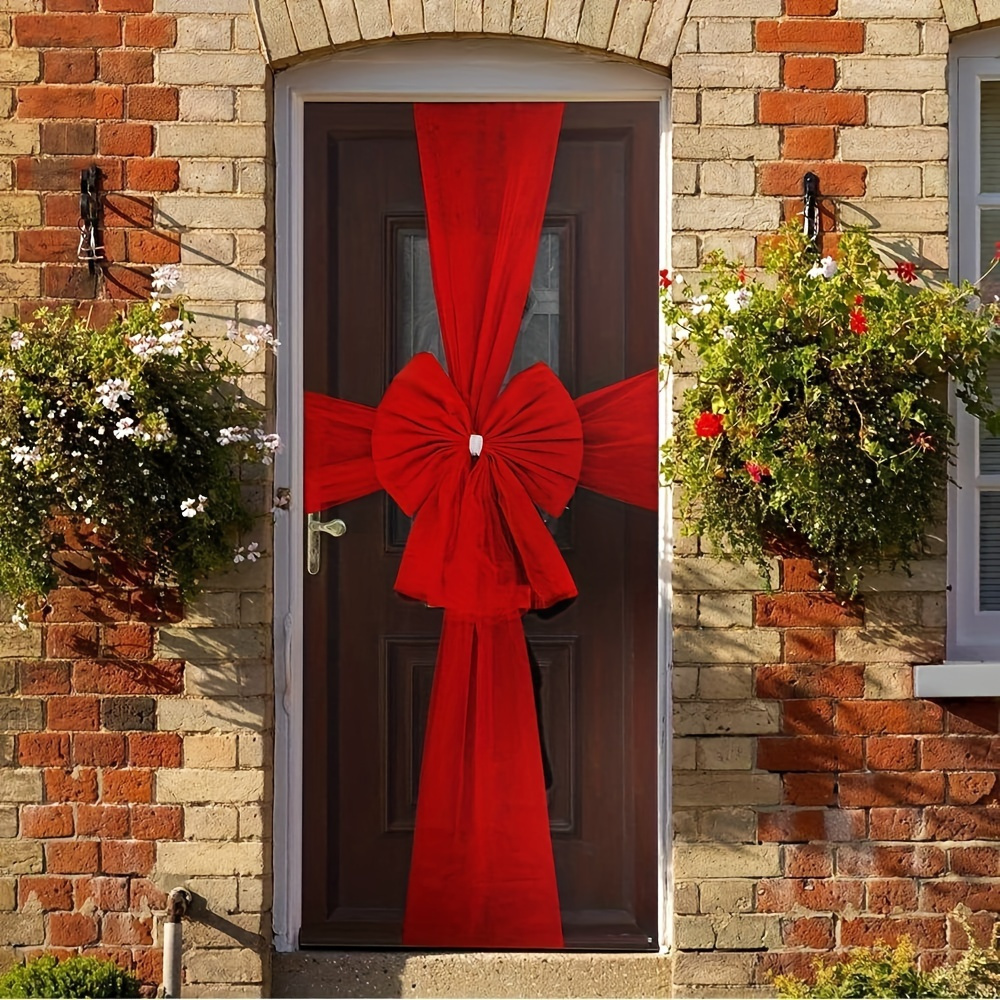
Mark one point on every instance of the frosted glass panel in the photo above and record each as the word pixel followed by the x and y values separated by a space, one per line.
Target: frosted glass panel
pixel 989 551
pixel 989 136
pixel 989 445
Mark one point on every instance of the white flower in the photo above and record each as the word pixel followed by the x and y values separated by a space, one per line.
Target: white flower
pixel 737 298
pixel 8 375
pixel 727 333
pixel 253 340
pixel 109 393
pixel 144 344
pixel 678 279
pixel 700 304
pixel 269 445
pixel 21 454
pixel 233 435
pixel 253 552
pixel 191 507
pixel 826 268
pixel 124 428
pixel 20 617
pixel 166 277
pixel 678 331
pixel 17 340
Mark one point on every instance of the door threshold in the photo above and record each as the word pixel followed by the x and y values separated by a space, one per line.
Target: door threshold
pixel 471 974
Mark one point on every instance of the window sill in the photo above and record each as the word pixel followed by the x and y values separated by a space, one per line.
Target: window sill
pixel 957 680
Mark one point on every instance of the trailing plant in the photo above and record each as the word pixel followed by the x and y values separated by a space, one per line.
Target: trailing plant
pixel 130 435
pixel 80 976
pixel 893 972
pixel 818 416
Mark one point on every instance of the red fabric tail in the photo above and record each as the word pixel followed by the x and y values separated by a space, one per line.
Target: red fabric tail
pixel 338 452
pixel 482 874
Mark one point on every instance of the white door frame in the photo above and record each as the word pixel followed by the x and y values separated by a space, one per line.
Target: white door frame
pixel 424 70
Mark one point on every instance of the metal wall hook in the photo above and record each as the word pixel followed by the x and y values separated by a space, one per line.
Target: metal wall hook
pixel 90 216
pixel 810 207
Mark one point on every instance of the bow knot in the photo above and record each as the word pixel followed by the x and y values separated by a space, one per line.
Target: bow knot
pixel 478 545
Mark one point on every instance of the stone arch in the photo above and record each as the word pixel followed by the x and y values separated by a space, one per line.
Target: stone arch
pixel 962 14
pixel 645 30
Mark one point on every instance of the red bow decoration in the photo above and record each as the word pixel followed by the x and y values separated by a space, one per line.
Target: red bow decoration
pixel 482 873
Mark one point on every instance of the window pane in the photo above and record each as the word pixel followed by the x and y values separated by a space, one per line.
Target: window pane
pixel 989 445
pixel 989 124
pixel 989 551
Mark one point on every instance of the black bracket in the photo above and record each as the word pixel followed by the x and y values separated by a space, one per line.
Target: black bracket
pixel 90 211
pixel 810 207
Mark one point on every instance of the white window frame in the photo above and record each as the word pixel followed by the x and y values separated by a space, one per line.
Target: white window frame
pixel 973 638
pixel 418 70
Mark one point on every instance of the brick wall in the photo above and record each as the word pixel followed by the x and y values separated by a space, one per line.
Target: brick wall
pixel 136 747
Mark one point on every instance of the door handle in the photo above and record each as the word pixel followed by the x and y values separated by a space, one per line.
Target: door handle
pixel 316 528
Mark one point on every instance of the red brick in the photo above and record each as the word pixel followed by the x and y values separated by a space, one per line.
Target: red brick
pixel 923 932
pixel 78 785
pixel 70 641
pixel 144 894
pixel 809 753
pixel 891 895
pixel 154 32
pixel 809 73
pixel 43 822
pixel 891 753
pixel 103 892
pixel 960 753
pixel 156 247
pixel 148 964
pixel 107 677
pixel 808 861
pixel 815 143
pixel 43 677
pixel 784 108
pixel 127 6
pixel 73 31
pixel 152 103
pixel 69 66
pixel 121 956
pixel 152 175
pixel 48 245
pixel 962 822
pixel 791 610
pixel 888 789
pixel 55 173
pixel 810 8
pixel 156 605
pixel 127 786
pixel 808 932
pixel 971 715
pixel 127 857
pixel 70 102
pixel 71 857
pixel 808 716
pixel 128 211
pixel 911 861
pixel 981 925
pixel 777 895
pixel 127 282
pixel 834 179
pixel 131 640
pixel 124 139
pixel 69 6
pixel 74 604
pixel 889 717
pixel 106 822
pixel 157 822
pixel 968 788
pixel 126 928
pixel 154 749
pixel 809 645
pixel 810 36
pixel 128 66
pixel 799 574
pixel 791 825
pixel 69 283
pixel 945 895
pixel 43 749
pixel 895 824
pixel 809 789
pixel 72 713
pixel 72 930
pixel 68 137
pixel 791 211
pixel 975 861
pixel 99 749
pixel 808 681
pixel 46 891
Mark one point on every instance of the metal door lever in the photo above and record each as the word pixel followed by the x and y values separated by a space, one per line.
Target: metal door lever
pixel 316 527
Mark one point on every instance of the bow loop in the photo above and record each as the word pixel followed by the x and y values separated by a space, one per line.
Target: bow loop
pixel 478 545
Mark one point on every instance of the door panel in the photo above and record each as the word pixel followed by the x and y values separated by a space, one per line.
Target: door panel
pixel 370 652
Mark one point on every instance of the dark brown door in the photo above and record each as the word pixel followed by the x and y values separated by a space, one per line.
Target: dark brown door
pixel 369 653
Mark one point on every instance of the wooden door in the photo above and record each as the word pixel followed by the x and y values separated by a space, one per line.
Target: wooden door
pixel 369 653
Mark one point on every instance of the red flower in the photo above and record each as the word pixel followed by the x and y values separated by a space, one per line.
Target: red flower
pixel 906 271
pixel 859 300
pixel 756 472
pixel 996 250
pixel 708 425
pixel 742 276
pixel 665 281
pixel 859 321
pixel 923 441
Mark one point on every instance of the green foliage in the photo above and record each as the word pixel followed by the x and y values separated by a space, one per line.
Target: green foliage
pixel 80 976
pixel 133 433
pixel 892 972
pixel 828 424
